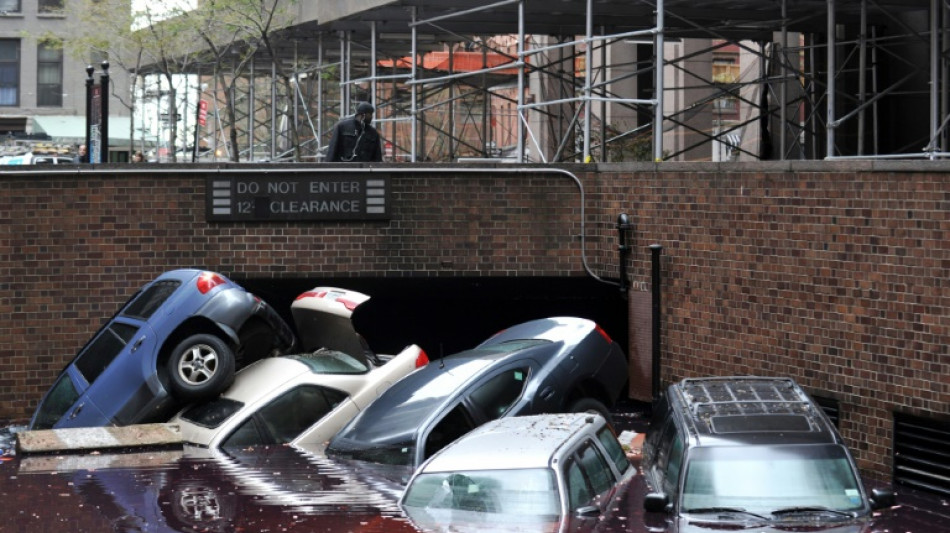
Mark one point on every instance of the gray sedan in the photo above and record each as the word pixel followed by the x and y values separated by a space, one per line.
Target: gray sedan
pixel 551 365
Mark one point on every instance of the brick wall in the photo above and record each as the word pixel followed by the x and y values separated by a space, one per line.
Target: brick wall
pixel 832 273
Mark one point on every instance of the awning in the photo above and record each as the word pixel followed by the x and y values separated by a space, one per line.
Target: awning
pixel 72 128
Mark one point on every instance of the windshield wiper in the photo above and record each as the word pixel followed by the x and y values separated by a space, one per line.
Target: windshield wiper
pixel 702 510
pixel 811 509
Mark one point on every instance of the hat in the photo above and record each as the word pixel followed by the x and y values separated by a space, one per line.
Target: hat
pixel 364 108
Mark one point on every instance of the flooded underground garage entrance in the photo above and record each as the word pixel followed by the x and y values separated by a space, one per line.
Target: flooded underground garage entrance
pixel 447 315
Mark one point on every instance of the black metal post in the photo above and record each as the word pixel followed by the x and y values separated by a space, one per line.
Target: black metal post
pixel 194 149
pixel 104 106
pixel 623 232
pixel 90 81
pixel 655 282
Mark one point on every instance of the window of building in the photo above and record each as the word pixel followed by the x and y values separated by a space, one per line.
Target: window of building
pixel 9 72
pixel 9 6
pixel 50 6
pixel 49 76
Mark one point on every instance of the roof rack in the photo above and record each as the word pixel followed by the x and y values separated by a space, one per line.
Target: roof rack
pixel 723 396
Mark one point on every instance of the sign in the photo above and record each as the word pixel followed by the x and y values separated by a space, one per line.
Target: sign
pixel 298 197
pixel 202 112
pixel 164 117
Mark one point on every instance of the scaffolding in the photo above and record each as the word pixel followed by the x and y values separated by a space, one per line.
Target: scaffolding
pixel 610 80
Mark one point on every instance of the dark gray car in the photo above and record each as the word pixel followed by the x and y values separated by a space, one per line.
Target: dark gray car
pixel 551 365
pixel 751 452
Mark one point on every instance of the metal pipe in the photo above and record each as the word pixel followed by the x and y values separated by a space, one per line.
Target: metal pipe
pixel 830 82
pixel 862 74
pixel 588 73
pixel 521 82
pixel 783 91
pixel 659 62
pixel 657 308
pixel 415 73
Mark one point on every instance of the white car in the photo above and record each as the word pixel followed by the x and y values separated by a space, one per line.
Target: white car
pixel 302 399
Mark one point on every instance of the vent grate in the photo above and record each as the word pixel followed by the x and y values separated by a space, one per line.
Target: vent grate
pixel 922 453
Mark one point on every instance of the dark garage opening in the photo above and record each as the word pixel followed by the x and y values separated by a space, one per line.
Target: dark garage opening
pixel 446 315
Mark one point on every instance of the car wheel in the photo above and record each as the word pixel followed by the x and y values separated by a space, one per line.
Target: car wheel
pixel 201 366
pixel 590 405
pixel 257 342
pixel 196 506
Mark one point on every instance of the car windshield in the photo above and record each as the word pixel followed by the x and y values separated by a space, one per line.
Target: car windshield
pixel 60 398
pixel 772 478
pixel 521 495
pixel 324 361
pixel 212 413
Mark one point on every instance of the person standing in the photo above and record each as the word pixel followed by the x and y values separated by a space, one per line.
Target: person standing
pixel 81 155
pixel 354 138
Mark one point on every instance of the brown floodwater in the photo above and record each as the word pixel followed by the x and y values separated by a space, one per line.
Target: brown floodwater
pixel 273 489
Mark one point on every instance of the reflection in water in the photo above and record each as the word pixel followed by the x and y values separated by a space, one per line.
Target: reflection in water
pixel 267 489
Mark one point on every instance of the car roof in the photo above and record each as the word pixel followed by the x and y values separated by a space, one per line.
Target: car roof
pixel 513 442
pixel 748 409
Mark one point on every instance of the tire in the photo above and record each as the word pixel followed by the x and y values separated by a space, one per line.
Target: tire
pixel 590 405
pixel 257 342
pixel 200 367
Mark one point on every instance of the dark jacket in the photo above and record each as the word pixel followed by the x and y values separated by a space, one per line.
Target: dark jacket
pixel 354 141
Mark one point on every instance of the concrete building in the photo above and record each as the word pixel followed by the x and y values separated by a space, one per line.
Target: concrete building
pixel 43 88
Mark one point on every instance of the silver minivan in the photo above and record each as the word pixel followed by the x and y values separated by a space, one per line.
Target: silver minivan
pixel 551 472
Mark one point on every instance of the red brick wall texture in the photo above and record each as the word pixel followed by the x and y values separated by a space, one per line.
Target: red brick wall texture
pixel 832 273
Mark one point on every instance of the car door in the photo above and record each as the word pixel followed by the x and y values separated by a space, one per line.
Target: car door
pixel 590 485
pixel 489 398
pixel 118 370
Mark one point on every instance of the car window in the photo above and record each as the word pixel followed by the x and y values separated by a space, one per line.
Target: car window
pixel 212 413
pixel 773 477
pixel 286 417
pixel 496 395
pixel 59 399
pixel 579 492
pixel 610 443
pixel 325 361
pixel 455 424
pixel 521 493
pixel 149 300
pixel 595 466
pixel 101 351
pixel 671 476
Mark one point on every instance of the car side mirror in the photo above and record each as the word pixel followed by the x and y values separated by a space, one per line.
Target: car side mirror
pixel 656 502
pixel 587 511
pixel 882 498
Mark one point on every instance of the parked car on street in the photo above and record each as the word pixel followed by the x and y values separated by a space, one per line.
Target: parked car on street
pixel 301 399
pixel 179 339
pixel 540 473
pixel 550 365
pixel 751 452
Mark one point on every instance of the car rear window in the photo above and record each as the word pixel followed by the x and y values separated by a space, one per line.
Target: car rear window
pixel 100 352
pixel 149 300
pixel 212 413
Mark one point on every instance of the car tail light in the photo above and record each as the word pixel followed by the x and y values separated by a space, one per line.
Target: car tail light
pixel 310 294
pixel 208 281
pixel 604 334
pixel 422 359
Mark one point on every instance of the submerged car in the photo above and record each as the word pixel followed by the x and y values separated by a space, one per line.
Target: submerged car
pixel 550 365
pixel 540 473
pixel 301 399
pixel 179 339
pixel 751 452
